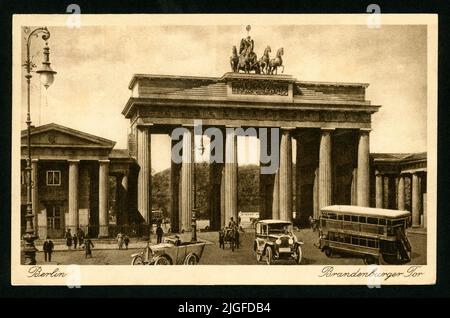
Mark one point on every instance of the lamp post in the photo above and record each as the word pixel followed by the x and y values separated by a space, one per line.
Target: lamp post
pixel 195 209
pixel 47 76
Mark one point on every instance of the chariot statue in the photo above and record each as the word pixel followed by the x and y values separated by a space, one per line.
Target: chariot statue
pixel 246 59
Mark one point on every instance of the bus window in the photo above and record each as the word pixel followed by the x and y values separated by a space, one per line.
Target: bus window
pixel 347 239
pixel 355 240
pixel 346 217
pixel 362 219
pixel 332 216
pixel 363 242
pixel 372 220
pixel 354 218
pixel 340 217
pixel 371 243
pixel 382 221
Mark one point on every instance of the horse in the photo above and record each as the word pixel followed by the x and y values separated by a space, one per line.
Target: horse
pixel 247 60
pixel 264 60
pixel 234 60
pixel 276 62
pixel 230 236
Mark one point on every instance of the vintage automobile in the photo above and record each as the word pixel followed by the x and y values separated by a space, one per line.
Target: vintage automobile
pixel 171 252
pixel 275 240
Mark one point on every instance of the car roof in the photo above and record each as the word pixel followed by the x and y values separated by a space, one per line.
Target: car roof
pixel 374 212
pixel 272 221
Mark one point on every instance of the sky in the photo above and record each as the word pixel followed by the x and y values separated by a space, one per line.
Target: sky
pixel 96 63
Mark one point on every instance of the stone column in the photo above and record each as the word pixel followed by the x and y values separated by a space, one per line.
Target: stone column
pixel 222 199
pixel 415 189
pixel 73 195
pixel 187 174
pixel 316 212
pixel 325 169
pixel 276 196
pixel 175 194
pixel 363 169
pixel 386 191
pixel 103 198
pixel 124 206
pixel 378 190
pixel 401 193
pixel 285 176
pixel 231 176
pixel 353 191
pixel 144 192
pixel 35 196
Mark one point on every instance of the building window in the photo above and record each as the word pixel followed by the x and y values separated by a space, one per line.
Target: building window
pixel 54 217
pixel 53 178
pixel 23 177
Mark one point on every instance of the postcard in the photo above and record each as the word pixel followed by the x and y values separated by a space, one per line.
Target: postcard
pixel 234 149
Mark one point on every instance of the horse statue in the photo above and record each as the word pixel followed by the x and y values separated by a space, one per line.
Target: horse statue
pixel 264 60
pixel 276 62
pixel 234 60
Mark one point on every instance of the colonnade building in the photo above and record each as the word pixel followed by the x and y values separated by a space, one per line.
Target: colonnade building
pixel 330 123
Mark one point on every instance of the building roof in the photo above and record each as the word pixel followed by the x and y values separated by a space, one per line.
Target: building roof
pixel 120 154
pixel 359 210
pixel 69 131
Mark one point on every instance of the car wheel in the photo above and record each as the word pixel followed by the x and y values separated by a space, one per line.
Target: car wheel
pixel 258 256
pixel 269 255
pixel 328 252
pixel 299 255
pixel 137 260
pixel 191 259
pixel 369 260
pixel 162 260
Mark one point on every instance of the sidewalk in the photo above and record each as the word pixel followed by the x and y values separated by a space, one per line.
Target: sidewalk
pixel 111 243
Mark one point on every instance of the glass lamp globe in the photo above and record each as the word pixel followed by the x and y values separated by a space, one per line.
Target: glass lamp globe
pixel 46 73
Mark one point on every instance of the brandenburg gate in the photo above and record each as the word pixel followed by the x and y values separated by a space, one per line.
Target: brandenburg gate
pixel 330 122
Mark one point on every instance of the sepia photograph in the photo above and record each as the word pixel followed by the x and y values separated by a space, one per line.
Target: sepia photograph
pixel 263 149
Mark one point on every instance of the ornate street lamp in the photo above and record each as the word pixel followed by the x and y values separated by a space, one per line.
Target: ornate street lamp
pixel 47 76
pixel 195 209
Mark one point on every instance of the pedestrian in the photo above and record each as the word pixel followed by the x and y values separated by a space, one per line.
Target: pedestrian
pixel 48 249
pixel 120 240
pixel 75 241
pixel 312 223
pixel 80 235
pixel 126 240
pixel 87 247
pixel 68 237
pixel 159 233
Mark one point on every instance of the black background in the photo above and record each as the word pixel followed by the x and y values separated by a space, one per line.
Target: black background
pixel 216 294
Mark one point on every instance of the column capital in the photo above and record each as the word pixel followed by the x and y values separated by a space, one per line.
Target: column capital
pixel 141 124
pixel 35 160
pixel 73 161
pixel 104 161
pixel 365 130
pixel 378 173
pixel 327 129
pixel 288 128
pixel 233 126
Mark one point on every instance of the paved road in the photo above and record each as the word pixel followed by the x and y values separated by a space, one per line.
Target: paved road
pixel 213 255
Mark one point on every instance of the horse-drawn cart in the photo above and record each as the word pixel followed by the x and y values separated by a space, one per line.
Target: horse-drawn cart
pixel 171 252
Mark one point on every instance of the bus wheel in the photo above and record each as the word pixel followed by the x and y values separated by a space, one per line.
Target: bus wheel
pixel 328 252
pixel 369 260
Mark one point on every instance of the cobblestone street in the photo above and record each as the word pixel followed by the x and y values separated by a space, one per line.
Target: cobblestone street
pixel 108 254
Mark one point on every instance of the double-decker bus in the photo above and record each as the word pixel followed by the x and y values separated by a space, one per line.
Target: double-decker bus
pixel 378 235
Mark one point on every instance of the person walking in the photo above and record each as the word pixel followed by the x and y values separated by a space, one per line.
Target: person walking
pixel 68 237
pixel 120 240
pixel 48 249
pixel 126 240
pixel 75 241
pixel 80 236
pixel 87 247
pixel 159 233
